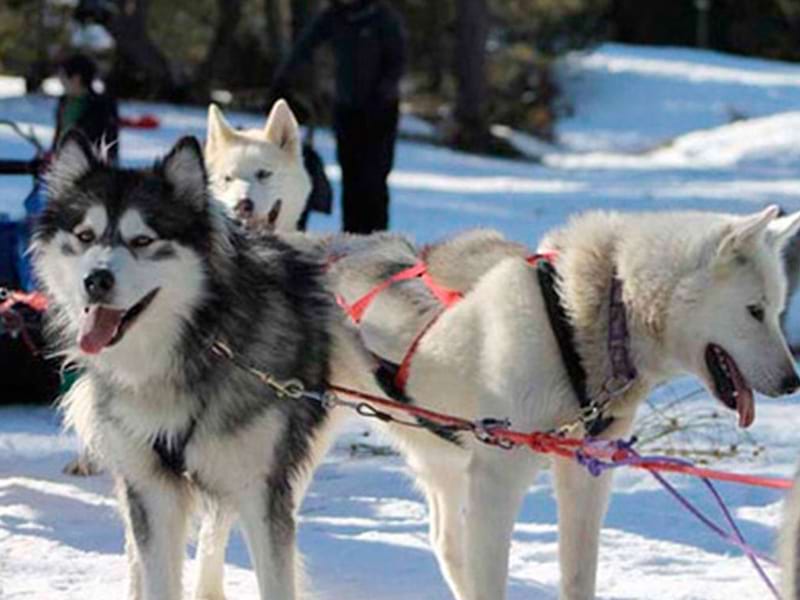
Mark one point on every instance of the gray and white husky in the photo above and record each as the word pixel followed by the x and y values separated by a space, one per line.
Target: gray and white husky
pixel 702 295
pixel 145 271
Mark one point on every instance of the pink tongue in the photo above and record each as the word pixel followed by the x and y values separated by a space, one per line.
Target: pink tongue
pixel 746 407
pixel 98 327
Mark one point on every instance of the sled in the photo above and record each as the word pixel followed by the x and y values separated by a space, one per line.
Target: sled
pixel 26 373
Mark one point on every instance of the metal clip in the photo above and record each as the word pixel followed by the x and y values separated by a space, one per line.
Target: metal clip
pixel 222 349
pixel 291 388
pixel 369 411
pixel 616 386
pixel 329 400
pixel 484 431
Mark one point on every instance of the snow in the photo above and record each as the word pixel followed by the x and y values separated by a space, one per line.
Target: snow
pixel 11 86
pixel 651 129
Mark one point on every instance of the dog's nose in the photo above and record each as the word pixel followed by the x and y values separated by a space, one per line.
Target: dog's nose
pixel 98 284
pixel 244 208
pixel 790 384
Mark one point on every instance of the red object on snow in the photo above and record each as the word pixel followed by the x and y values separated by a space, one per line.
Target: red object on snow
pixel 147 121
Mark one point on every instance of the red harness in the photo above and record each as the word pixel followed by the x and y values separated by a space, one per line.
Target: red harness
pixel 446 297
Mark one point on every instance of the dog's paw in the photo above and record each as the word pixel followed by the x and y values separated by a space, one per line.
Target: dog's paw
pixel 81 467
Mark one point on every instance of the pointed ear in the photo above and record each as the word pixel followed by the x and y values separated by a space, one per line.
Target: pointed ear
pixel 74 158
pixel 282 128
pixel 745 232
pixel 781 230
pixel 219 130
pixel 185 170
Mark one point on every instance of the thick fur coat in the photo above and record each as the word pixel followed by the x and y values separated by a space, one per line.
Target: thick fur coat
pixel 145 271
pixel 702 294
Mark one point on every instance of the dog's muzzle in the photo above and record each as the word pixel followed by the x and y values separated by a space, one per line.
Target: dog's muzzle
pixel 98 285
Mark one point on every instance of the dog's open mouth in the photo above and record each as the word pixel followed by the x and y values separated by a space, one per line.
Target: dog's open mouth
pixel 103 326
pixel 730 386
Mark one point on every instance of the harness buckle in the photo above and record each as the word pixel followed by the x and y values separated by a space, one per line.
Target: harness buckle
pixel 484 430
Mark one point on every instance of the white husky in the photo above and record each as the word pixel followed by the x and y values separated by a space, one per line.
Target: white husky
pixel 259 172
pixel 702 294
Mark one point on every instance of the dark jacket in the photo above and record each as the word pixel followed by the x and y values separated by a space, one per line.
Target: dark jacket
pixel 369 44
pixel 98 121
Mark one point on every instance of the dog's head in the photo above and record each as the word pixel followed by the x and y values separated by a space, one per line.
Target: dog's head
pixel 123 254
pixel 259 173
pixel 723 319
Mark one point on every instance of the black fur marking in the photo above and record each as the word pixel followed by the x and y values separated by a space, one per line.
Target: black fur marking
pixel 386 376
pixel 67 250
pixel 137 514
pixel 117 190
pixel 165 252
pixel 173 452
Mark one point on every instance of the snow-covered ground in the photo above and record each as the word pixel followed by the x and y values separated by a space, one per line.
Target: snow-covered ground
pixel 652 129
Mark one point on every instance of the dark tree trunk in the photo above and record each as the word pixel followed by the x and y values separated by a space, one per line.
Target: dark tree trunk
pixel 436 61
pixel 229 13
pixel 128 26
pixel 472 28
pixel 278 28
pixel 310 110
pixel 302 13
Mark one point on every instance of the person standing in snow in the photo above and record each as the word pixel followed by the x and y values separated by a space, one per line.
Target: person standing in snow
pixel 80 107
pixel 369 45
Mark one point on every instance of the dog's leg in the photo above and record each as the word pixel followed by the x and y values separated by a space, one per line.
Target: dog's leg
pixel 446 495
pixel 496 484
pixel 267 519
pixel 155 513
pixel 213 539
pixel 582 503
pixel 789 544
pixel 134 567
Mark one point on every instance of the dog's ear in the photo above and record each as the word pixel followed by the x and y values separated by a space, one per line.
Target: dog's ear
pixel 185 170
pixel 783 229
pixel 219 130
pixel 745 232
pixel 282 128
pixel 74 158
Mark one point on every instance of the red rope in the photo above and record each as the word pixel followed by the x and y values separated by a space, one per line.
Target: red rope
pixel 568 447
pixel 547 443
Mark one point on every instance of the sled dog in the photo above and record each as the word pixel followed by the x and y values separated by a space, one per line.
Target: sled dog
pixel 702 295
pixel 259 173
pixel 145 271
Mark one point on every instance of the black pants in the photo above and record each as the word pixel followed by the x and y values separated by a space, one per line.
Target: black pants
pixel 365 150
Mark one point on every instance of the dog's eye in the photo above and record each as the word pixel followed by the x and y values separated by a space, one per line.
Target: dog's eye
pixel 227 178
pixel 85 236
pixel 263 174
pixel 756 311
pixel 141 241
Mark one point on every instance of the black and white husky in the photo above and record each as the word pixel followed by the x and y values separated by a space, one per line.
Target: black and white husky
pixel 145 272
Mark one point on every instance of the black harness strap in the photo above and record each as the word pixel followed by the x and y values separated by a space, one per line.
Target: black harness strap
pixel 565 337
pixel 173 455
pixel 386 376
